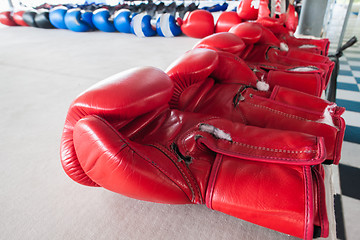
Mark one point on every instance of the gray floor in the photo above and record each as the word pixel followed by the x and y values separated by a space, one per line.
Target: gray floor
pixel 41 72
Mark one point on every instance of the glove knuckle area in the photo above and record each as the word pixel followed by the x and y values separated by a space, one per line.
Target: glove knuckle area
pixel 110 100
pixel 114 162
pixel 125 95
pixel 224 41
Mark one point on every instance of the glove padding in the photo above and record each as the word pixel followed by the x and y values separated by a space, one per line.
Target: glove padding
pixel 221 84
pixel 262 50
pixel 121 135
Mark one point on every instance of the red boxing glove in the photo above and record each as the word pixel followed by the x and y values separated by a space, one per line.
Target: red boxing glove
pixel 224 41
pixel 121 135
pixel 285 26
pixel 280 21
pixel 285 34
pixel 248 9
pixel 226 21
pixel 274 20
pixel 198 24
pixel 291 60
pixel 6 18
pixel 305 79
pixel 318 46
pixel 292 19
pixel 220 84
pixel 18 18
pixel 309 82
pixel 263 48
pixel 254 33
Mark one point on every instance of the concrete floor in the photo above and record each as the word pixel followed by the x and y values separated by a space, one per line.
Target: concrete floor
pixel 41 72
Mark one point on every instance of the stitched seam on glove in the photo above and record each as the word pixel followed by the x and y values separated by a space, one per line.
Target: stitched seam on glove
pixel 320 209
pixel 338 141
pixel 167 152
pixel 196 185
pixel 284 114
pixel 152 163
pixel 252 155
pixel 211 183
pixel 188 133
pixel 272 149
pixel 307 207
pixel 193 131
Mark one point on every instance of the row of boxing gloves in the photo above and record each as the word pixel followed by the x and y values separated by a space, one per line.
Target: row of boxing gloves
pixel 137 19
pixel 147 20
pixel 236 123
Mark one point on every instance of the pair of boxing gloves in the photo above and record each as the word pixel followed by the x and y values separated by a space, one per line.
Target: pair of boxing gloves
pixel 266 55
pixel 203 133
pixel 200 24
pixel 34 18
pixel 12 18
pixel 284 20
pixel 214 77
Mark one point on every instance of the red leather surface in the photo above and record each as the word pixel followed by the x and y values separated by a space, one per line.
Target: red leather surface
pixel 319 46
pixel 251 153
pixel 320 212
pixel 321 61
pixel 321 106
pixel 292 19
pixel 121 135
pixel 248 10
pixel 264 11
pixel 198 24
pixel 6 18
pixel 263 145
pixel 224 41
pixel 290 189
pixel 221 95
pixel 274 114
pixel 308 76
pixel 277 23
pixel 266 54
pixel 226 21
pixel 126 167
pixel 118 103
pixel 149 170
pixel 206 61
pixel 19 19
pixel 252 32
pixel 248 32
pixel 305 82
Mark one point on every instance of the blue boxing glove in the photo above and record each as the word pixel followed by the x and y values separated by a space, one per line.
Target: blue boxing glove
pixel 87 17
pixel 57 15
pixel 217 7
pixel 166 26
pixel 101 20
pixel 79 21
pixel 141 26
pixel 122 21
